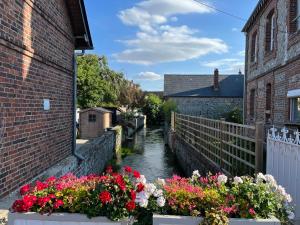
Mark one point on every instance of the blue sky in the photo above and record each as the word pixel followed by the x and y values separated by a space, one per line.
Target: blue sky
pixel 146 39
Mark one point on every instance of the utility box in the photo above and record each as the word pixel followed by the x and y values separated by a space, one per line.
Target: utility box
pixel 93 122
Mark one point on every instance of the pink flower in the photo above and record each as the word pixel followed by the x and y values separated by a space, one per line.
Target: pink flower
pixel 25 189
pixel 252 212
pixel 41 186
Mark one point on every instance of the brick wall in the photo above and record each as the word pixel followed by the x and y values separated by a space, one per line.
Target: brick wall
pixel 36 63
pixel 281 68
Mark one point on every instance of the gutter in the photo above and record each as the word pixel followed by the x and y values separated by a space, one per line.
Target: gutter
pixel 74 153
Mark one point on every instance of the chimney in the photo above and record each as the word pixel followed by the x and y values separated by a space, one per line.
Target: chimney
pixel 216 80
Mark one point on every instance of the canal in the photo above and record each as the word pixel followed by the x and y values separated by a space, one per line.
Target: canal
pixel 149 155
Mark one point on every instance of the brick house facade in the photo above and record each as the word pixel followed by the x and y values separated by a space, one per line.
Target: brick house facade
pixel 273 63
pixel 37 85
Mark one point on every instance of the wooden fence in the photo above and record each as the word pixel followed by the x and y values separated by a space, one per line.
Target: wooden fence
pixel 234 148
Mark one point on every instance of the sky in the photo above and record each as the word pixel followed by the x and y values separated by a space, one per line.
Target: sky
pixel 146 39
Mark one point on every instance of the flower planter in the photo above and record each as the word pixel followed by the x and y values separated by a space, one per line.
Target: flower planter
pixel 58 219
pixel 187 220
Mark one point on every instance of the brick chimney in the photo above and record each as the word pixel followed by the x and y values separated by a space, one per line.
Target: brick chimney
pixel 216 80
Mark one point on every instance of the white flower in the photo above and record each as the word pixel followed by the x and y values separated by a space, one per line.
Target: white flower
pixel 222 179
pixel 142 199
pixel 161 182
pixel 141 179
pixel 196 173
pixel 158 193
pixel 150 188
pixel 237 180
pixel 291 215
pixel 281 190
pixel 288 198
pixel 260 178
pixel 161 201
pixel 270 180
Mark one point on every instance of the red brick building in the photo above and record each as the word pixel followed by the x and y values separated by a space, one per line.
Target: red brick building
pixel 37 85
pixel 273 63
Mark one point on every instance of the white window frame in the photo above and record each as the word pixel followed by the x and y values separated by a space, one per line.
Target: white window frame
pixel 292 108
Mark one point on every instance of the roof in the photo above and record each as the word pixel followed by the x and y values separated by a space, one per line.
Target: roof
pixel 98 109
pixel 260 5
pixel 202 86
pixel 80 26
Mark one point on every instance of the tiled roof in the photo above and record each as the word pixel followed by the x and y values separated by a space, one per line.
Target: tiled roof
pixel 202 86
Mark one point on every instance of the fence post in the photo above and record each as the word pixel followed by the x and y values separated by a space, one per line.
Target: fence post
pixel 259 148
pixel 222 128
pixel 173 121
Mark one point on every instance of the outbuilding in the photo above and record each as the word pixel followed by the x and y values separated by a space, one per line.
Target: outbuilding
pixel 93 122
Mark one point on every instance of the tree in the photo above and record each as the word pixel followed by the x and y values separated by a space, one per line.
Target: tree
pixel 152 108
pixel 98 85
pixel 168 107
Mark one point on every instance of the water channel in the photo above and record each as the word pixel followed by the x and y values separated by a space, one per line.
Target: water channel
pixel 149 154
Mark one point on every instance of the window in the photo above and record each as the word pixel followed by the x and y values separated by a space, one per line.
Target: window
pixel 92 118
pixel 294 16
pixel 268 102
pixel 270 31
pixel 252 102
pixel 295 109
pixel 254 47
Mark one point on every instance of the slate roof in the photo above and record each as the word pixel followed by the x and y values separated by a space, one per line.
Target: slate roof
pixel 202 86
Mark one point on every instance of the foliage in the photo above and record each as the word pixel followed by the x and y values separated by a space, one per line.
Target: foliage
pixel 234 116
pixel 153 108
pixel 168 107
pixel 98 85
pixel 127 194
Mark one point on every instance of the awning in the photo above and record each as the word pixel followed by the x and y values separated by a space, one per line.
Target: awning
pixel 293 93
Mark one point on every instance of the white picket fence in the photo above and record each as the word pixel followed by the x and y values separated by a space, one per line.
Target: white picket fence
pixel 283 161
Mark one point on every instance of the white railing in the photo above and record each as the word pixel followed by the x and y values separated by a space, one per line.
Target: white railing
pixel 283 161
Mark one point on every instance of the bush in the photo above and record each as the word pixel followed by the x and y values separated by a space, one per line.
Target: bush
pixel 168 107
pixel 234 116
pixel 153 109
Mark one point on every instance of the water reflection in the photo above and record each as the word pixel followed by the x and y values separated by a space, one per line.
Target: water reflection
pixel 151 157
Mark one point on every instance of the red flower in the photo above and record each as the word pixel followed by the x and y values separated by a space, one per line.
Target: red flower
pixel 252 212
pixel 41 186
pixel 58 204
pixel 105 197
pixel 140 187
pixel 51 180
pixel 29 201
pixel 19 206
pixel 52 196
pixel 42 201
pixel 130 206
pixel 120 182
pixel 132 195
pixel 136 174
pixel 128 169
pixel 25 189
pixel 109 169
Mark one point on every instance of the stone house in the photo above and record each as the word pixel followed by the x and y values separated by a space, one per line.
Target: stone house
pixel 272 70
pixel 207 95
pixel 94 121
pixel 38 85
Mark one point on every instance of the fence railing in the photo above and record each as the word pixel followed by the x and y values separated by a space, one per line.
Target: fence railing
pixel 234 148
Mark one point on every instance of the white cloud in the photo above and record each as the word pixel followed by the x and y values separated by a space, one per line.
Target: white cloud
pixel 229 65
pixel 158 42
pixel 148 76
pixel 241 53
pixel 234 29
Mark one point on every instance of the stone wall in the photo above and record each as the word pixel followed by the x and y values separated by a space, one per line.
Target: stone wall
pixel 208 107
pixel 188 158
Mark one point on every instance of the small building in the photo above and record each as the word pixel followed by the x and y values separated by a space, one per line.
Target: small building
pixel 116 114
pixel 207 95
pixel 272 63
pixel 93 122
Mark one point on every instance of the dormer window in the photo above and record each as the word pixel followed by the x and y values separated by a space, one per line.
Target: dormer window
pixel 254 40
pixel 270 31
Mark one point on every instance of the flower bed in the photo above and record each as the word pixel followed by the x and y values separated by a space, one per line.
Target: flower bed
pixel 119 196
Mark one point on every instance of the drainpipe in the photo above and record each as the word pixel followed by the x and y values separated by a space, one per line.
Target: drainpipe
pixel 79 157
